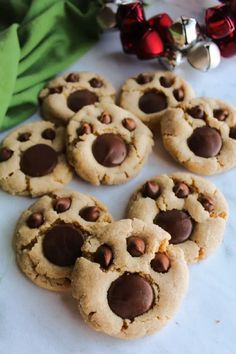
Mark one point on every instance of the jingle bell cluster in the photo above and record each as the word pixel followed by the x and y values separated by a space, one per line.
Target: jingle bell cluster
pixel 172 42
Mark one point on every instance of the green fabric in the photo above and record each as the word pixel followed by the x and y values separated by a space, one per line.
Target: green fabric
pixel 38 39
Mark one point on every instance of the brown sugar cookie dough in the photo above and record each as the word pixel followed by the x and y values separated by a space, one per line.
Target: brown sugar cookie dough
pixel 66 95
pixel 137 280
pixel 190 208
pixel 201 135
pixel 32 160
pixel 148 95
pixel 49 236
pixel 107 145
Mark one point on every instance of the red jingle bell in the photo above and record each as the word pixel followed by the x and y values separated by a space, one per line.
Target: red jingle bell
pixel 130 39
pixel 150 45
pixel 128 16
pixel 219 22
pixel 227 46
pixel 161 23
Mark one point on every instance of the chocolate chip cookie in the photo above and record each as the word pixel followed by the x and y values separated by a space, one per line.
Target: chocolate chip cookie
pixel 190 208
pixel 66 95
pixel 129 282
pixel 32 160
pixel 201 135
pixel 50 234
pixel 148 95
pixel 106 144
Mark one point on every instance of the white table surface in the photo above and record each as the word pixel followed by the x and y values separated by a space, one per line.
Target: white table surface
pixel 33 320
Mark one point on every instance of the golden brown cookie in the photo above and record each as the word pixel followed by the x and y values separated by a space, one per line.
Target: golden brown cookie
pixel 190 208
pixel 129 282
pixel 50 233
pixel 107 145
pixel 67 94
pixel 148 95
pixel 32 160
pixel 201 135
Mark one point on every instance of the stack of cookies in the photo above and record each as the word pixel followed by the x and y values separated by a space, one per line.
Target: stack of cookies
pixel 136 268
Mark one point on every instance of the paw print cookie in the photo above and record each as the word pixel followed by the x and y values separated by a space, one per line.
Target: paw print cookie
pixel 191 209
pixel 32 160
pixel 136 279
pixel 66 95
pixel 106 144
pixel 201 135
pixel 50 234
pixel 149 94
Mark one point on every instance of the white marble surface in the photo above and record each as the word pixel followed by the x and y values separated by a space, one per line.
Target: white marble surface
pixel 33 320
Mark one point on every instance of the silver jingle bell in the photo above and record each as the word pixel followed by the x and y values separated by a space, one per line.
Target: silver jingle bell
pixel 171 58
pixel 184 32
pixel 106 18
pixel 204 56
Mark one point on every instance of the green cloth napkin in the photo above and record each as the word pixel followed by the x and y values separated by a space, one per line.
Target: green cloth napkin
pixel 38 39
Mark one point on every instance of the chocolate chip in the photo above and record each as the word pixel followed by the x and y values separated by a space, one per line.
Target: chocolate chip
pixel 53 90
pixel 221 114
pixel 72 77
pixel 109 150
pixel 39 160
pixel 49 134
pixel 5 154
pixel 103 256
pixel 179 94
pixel 205 142
pixel 91 213
pixel 181 190
pixel 232 133
pixel 85 128
pixel 152 102
pixel 62 204
pixel 197 112
pixel 136 246
pixel 80 98
pixel 24 137
pixel 105 118
pixel 62 244
pixel 160 263
pixel 177 223
pixel 95 83
pixel 166 81
pixel 35 220
pixel 207 202
pixel 129 124
pixel 130 296
pixel 143 79
pixel 151 190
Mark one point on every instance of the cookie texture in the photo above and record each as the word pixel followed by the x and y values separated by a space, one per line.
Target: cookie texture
pixel 201 135
pixel 190 208
pixel 50 233
pixel 32 160
pixel 106 144
pixel 66 95
pixel 148 95
pixel 138 288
